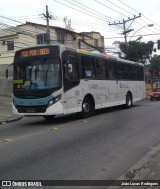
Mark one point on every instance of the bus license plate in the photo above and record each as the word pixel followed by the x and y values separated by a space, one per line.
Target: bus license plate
pixel 31 110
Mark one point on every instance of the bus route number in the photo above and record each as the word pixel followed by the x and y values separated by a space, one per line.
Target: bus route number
pixel 35 52
pixel 44 51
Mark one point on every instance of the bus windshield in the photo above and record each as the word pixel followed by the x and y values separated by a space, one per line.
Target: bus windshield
pixel 37 74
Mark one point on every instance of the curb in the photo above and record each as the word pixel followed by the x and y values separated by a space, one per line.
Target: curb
pixel 11 119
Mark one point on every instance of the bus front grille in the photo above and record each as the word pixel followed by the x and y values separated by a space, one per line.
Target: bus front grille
pixel 31 109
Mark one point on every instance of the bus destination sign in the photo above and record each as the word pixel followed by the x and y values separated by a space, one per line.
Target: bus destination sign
pixel 34 52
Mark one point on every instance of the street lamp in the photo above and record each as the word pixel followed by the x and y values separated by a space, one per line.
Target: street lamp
pixel 149 25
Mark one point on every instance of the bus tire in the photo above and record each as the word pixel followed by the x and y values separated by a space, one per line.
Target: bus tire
pixel 129 101
pixel 87 108
pixel 49 117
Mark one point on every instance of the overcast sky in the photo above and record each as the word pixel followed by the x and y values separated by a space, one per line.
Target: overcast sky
pixel 102 12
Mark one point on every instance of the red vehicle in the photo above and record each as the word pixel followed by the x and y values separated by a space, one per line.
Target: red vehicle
pixel 155 94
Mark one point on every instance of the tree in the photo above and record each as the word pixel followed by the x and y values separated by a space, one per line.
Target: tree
pixel 137 51
pixel 155 65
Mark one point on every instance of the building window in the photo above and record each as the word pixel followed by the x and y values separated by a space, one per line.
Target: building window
pixel 60 38
pixel 10 45
pixel 95 42
pixel 42 38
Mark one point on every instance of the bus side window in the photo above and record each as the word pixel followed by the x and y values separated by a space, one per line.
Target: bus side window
pixel 141 73
pixel 74 74
pixel 121 71
pixel 71 70
pixel 101 69
pixel 129 70
pixel 136 72
pixel 88 67
pixel 107 69
pixel 113 72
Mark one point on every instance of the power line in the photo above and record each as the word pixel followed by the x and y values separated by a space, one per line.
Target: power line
pixel 120 7
pixel 121 13
pixel 61 19
pixel 110 8
pixel 113 10
pixel 138 12
pixel 21 22
pixel 125 11
pixel 94 10
pixel 79 10
pixel 133 36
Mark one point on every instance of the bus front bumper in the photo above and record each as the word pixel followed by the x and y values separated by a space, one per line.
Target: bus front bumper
pixel 55 109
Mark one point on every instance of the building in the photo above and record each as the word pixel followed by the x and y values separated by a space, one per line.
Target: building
pixel 93 39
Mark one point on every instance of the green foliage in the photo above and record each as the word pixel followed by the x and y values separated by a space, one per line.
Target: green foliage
pixel 137 51
pixel 155 65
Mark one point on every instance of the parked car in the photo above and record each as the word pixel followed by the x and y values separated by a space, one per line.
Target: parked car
pixel 155 94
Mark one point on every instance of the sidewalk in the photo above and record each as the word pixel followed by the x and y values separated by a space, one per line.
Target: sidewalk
pixel 144 174
pixel 6 115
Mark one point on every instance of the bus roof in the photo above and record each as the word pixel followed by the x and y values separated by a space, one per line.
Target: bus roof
pixel 105 56
pixel 92 53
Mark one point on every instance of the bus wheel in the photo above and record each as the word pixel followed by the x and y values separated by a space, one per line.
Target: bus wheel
pixel 129 101
pixel 87 108
pixel 49 117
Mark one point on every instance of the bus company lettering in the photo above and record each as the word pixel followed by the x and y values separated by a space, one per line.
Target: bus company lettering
pixel 93 86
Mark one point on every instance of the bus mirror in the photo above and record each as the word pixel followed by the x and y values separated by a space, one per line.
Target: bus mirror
pixel 70 68
pixel 9 72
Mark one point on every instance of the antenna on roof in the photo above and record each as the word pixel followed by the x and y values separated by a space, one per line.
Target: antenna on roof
pixel 67 23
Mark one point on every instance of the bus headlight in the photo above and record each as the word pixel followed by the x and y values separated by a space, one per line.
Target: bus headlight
pixel 54 100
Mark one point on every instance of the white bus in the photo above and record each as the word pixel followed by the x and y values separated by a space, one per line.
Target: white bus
pixel 53 79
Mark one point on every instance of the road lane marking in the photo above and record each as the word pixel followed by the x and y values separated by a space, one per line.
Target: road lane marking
pixel 83 120
pixel 7 140
pixel 54 129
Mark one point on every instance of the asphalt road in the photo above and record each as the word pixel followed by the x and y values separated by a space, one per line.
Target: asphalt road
pixel 101 147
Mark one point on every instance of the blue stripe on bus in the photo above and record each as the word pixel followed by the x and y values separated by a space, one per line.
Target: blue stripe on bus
pixel 32 102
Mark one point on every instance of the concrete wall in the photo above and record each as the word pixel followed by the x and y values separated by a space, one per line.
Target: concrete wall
pixel 5 85
pixel 149 88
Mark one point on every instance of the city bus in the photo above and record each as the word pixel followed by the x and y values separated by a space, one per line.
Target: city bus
pixel 49 80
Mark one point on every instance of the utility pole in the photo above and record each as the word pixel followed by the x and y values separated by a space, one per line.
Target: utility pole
pixel 124 26
pixel 47 16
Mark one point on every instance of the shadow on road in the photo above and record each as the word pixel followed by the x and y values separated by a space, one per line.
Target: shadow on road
pixel 58 120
